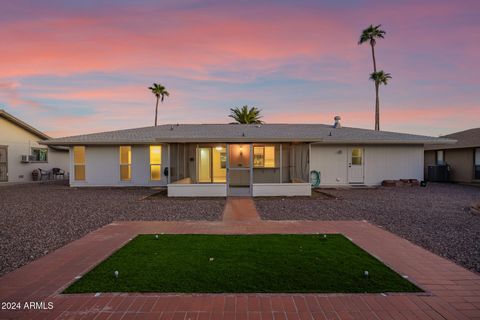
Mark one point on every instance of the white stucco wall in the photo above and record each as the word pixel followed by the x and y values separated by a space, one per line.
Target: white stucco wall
pixel 281 189
pixel 331 161
pixel 102 165
pixel 382 162
pixel 20 142
pixel 197 190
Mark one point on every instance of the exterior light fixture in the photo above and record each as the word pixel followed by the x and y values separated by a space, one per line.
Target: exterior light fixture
pixel 116 274
pixel 219 148
pixel 365 273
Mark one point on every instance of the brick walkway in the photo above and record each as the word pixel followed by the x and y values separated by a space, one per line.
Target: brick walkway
pixel 453 292
pixel 240 209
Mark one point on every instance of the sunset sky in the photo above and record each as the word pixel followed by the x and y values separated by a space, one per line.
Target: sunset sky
pixel 84 66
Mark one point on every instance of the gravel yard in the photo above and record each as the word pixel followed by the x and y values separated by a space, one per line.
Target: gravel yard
pixel 436 217
pixel 37 218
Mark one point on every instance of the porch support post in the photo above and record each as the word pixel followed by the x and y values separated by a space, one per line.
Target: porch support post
pixel 169 161
pixel 227 167
pixel 281 163
pixel 309 157
pixel 251 169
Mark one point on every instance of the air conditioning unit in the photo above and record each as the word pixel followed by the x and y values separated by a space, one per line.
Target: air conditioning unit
pixel 27 158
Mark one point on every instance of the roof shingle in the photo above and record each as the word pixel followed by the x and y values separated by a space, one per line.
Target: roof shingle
pixel 465 139
pixel 245 133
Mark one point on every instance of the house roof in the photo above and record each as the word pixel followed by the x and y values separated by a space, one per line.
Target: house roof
pixel 4 114
pixel 465 139
pixel 244 133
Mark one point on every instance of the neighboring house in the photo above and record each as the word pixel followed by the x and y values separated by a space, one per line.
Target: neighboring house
pixel 236 159
pixel 20 152
pixel 463 157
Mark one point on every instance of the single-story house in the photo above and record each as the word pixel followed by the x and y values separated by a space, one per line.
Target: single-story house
pixel 462 157
pixel 21 153
pixel 237 159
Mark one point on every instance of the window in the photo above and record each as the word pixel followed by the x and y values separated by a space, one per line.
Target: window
pixel 155 162
pixel 440 157
pixel 40 154
pixel 79 163
pixel 477 163
pixel 125 163
pixel 264 157
pixel 357 156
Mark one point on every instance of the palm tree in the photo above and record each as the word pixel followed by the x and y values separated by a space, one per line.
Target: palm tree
pixel 160 92
pixel 371 34
pixel 379 78
pixel 244 115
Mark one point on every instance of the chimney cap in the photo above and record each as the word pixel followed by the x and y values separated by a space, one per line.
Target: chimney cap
pixel 337 118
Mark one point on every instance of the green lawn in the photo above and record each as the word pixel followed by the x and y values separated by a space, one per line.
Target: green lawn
pixel 241 263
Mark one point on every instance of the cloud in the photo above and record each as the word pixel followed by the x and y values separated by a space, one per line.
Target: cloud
pixel 87 64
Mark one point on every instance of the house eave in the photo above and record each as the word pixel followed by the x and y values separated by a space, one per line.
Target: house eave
pixel 246 140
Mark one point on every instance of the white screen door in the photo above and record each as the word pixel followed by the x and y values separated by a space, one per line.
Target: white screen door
pixel 355 165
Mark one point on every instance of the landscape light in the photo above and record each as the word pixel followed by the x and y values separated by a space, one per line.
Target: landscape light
pixel 116 274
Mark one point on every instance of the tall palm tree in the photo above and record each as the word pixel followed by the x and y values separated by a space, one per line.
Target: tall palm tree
pixel 379 78
pixel 371 34
pixel 244 115
pixel 160 92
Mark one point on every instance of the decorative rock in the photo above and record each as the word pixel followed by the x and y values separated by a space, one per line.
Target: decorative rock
pixel 53 224
pixel 438 218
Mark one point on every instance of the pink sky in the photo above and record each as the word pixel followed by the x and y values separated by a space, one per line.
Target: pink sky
pixel 85 67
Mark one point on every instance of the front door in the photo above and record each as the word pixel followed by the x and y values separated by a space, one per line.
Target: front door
pixel 211 165
pixel 3 163
pixel 356 165
pixel 239 169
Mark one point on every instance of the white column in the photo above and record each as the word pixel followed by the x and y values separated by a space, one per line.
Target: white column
pixel 169 169
pixel 281 163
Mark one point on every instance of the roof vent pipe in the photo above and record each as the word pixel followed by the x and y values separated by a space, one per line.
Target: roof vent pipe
pixel 337 123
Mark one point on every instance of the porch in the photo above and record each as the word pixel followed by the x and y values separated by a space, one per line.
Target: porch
pixel 234 169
